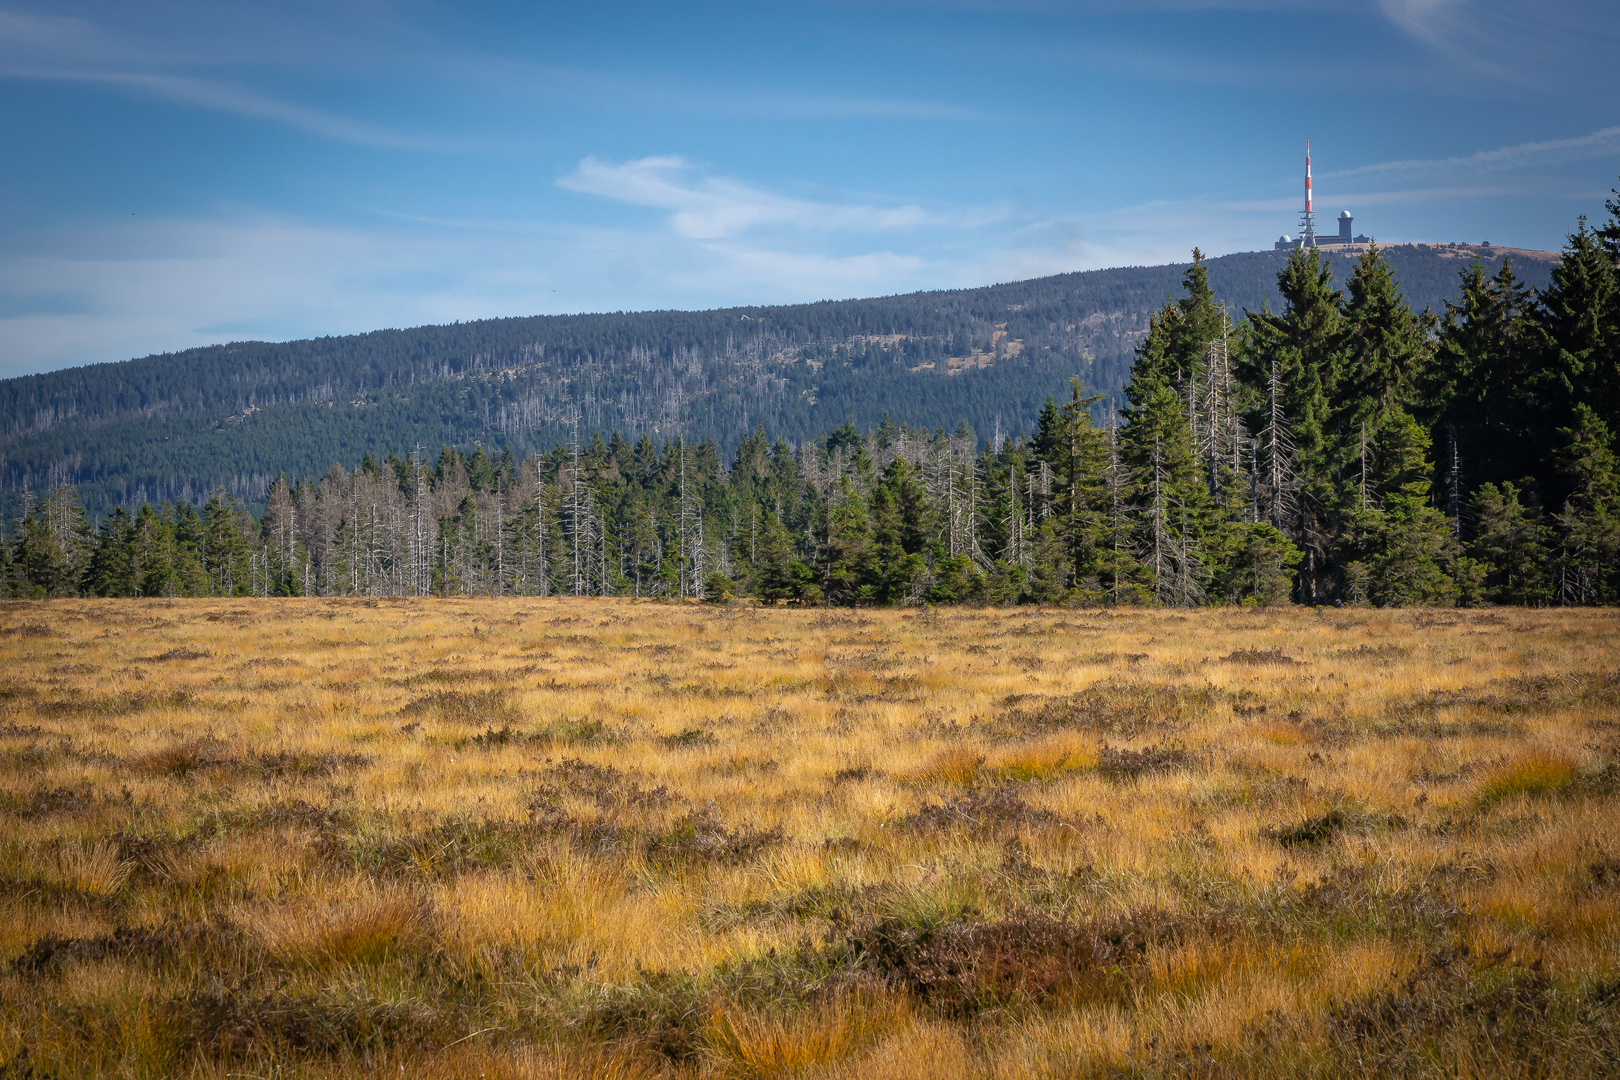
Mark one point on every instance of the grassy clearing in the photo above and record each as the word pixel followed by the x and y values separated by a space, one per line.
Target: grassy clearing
pixel 601 838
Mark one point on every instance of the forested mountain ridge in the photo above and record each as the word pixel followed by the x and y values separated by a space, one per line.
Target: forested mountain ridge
pixel 176 426
pixel 1337 448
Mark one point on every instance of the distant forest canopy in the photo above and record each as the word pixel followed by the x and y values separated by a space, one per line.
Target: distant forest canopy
pixel 179 426
pixel 1338 447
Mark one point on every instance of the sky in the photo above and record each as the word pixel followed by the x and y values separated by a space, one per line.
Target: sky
pixel 178 173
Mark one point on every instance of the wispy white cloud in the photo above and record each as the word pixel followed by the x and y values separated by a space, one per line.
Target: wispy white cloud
pixel 66 49
pixel 1539 45
pixel 228 97
pixel 1431 20
pixel 709 207
pixel 1605 142
pixel 172 66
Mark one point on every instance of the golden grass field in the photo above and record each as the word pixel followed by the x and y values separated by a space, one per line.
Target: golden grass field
pixel 502 838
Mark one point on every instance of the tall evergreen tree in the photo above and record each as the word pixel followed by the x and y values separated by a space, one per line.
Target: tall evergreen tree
pixel 1386 350
pixel 1406 544
pixel 1475 392
pixel 1577 338
pixel 1510 542
pixel 1306 342
pixel 1199 325
pixel 1168 489
pixel 1589 523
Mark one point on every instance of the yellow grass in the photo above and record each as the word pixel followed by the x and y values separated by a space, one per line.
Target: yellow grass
pixel 1534 773
pixel 606 838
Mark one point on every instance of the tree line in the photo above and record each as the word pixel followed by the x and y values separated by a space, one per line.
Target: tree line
pixel 1342 449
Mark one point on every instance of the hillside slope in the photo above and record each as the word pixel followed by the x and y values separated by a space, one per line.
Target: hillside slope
pixel 178 425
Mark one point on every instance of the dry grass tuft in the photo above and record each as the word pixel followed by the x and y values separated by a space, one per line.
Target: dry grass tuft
pixel 365 930
pixel 1534 773
pixel 182 758
pixel 94 869
pixel 957 765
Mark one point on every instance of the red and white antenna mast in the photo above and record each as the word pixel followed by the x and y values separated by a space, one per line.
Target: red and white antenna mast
pixel 1307 220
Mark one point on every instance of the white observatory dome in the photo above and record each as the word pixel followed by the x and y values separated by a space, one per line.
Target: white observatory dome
pixel 1344 215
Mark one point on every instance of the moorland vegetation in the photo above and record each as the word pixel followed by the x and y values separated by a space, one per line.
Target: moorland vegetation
pixel 585 837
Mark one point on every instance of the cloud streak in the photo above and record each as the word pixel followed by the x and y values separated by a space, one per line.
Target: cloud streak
pixel 62 49
pixel 712 208
pixel 227 97
pixel 1605 142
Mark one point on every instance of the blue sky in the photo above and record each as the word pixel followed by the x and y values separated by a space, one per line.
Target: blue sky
pixel 177 173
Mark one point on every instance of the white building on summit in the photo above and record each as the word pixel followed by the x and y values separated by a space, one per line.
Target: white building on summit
pixel 1307 222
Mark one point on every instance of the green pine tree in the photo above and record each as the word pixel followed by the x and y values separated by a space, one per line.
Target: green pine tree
pixel 1475 391
pixel 1306 343
pixel 1510 542
pixel 1578 335
pixel 1406 545
pixel 1589 524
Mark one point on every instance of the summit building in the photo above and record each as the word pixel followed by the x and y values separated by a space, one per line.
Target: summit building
pixel 1308 236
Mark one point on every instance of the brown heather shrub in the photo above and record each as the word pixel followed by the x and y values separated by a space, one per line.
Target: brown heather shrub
pixel 960 967
pixel 1121 765
pixel 236 1022
pixel 1500 1019
pixel 304 764
pixel 124 704
pixel 50 954
pixel 1260 658
pixel 609 788
pixel 28 630
pixel 1312 832
pixel 470 707
pixel 1118 709
pixel 984 809
pixel 176 654
pixel 49 802
pixel 180 759
pixel 689 738
pixel 699 837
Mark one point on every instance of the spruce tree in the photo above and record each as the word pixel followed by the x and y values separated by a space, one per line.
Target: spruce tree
pixel 1199 324
pixel 1080 472
pixel 1386 349
pixel 898 535
pixel 1168 490
pixel 1510 542
pixel 846 555
pixel 1258 565
pixel 1406 544
pixel 1609 235
pixel 1589 523
pixel 1577 336
pixel 112 564
pixel 1306 343
pixel 1476 385
pixel 225 551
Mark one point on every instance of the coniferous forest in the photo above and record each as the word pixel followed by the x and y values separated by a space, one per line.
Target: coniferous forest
pixel 1342 448
pixel 179 426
